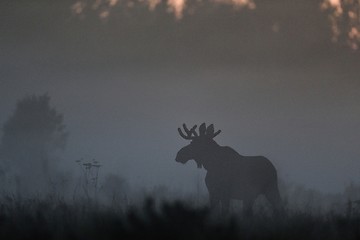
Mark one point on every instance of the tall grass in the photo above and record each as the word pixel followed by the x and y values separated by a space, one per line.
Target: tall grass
pixel 55 219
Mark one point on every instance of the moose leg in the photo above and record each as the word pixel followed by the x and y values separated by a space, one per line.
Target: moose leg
pixel 214 202
pixel 273 196
pixel 225 206
pixel 248 207
pixel 213 192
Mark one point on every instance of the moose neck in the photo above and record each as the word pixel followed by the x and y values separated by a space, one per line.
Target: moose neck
pixel 210 157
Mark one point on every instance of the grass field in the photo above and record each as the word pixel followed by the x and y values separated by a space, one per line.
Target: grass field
pixel 55 219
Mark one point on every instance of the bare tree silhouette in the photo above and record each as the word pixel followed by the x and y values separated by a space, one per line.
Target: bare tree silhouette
pixel 229 174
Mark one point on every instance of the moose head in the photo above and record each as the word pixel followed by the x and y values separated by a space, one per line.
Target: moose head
pixel 200 146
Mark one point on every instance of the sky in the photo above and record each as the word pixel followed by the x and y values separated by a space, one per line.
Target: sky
pixel 270 78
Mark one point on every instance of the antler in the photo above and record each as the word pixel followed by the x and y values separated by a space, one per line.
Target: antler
pixel 210 131
pixel 202 129
pixel 188 132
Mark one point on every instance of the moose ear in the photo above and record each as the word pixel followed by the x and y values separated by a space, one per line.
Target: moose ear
pixel 210 130
pixel 202 129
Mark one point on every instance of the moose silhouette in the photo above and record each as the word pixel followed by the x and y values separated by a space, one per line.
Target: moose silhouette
pixel 229 174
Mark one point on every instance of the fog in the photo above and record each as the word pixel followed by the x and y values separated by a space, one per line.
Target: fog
pixel 126 84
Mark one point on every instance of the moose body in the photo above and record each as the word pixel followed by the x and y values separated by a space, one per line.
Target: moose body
pixel 229 174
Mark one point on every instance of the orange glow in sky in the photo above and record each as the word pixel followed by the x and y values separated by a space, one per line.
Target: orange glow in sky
pixel 344 15
pixel 176 7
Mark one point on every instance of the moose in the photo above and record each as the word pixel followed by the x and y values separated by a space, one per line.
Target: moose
pixel 229 174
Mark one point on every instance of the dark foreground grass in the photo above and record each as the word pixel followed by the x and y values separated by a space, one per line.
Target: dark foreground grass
pixel 39 219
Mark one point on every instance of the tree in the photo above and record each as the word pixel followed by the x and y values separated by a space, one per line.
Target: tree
pixel 31 137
